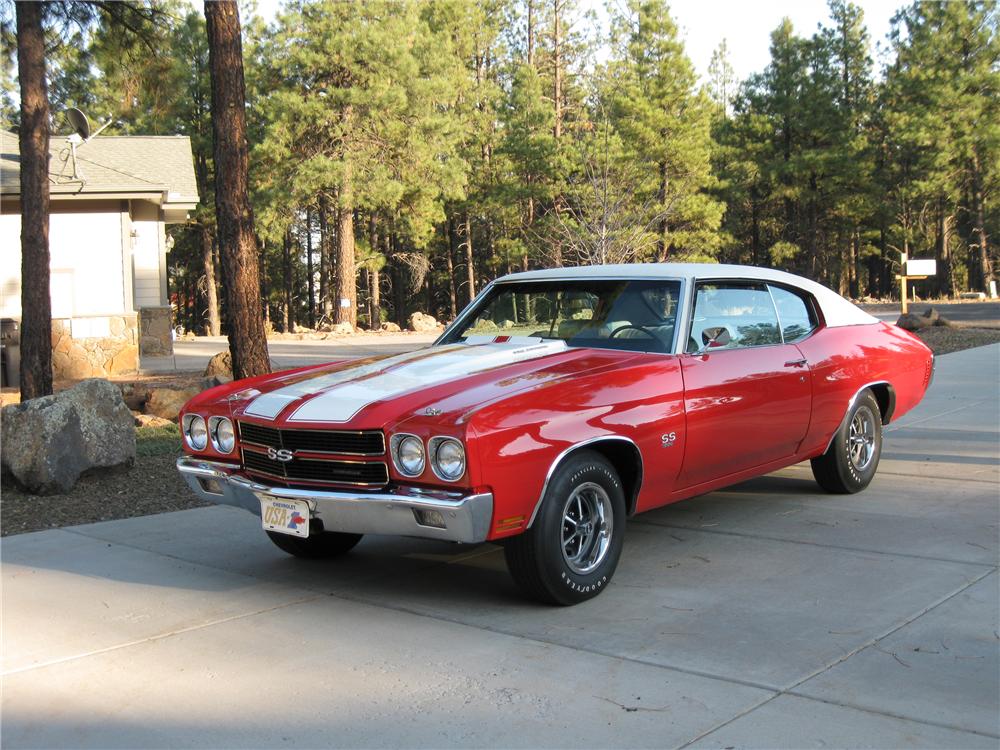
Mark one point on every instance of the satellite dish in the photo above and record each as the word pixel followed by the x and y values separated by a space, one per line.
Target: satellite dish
pixel 79 122
pixel 80 136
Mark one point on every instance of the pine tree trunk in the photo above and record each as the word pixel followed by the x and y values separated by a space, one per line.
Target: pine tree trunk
pixel 374 314
pixel 288 320
pixel 310 274
pixel 662 246
pixel 469 258
pixel 325 260
pixel 36 301
pixel 234 215
pixel 346 283
pixel 211 292
pixel 984 272
pixel 449 252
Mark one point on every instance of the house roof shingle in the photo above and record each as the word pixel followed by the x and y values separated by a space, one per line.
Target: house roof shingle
pixel 110 164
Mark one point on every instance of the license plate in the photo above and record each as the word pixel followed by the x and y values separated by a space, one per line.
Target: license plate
pixel 284 516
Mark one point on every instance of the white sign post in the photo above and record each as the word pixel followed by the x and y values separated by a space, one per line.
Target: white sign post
pixel 915 270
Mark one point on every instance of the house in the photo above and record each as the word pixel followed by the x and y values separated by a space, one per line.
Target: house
pixel 109 208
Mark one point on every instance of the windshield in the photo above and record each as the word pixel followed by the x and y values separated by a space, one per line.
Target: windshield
pixel 631 315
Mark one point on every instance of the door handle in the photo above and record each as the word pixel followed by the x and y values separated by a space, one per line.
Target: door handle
pixel 797 362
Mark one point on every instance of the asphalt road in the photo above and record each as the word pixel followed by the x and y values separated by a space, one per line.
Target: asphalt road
pixel 190 356
pixel 765 615
pixel 978 313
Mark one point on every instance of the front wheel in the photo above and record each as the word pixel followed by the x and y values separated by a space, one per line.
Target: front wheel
pixel 850 463
pixel 571 551
pixel 317 546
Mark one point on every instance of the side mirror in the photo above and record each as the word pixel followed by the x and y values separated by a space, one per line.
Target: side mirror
pixel 713 338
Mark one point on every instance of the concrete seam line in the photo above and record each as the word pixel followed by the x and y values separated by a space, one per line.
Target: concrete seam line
pixel 890 714
pixel 160 636
pixel 938 477
pixel 789 690
pixel 548 642
pixel 893 629
pixel 866 550
pixel 896 426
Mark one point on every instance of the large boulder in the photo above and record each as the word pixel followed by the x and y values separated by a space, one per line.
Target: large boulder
pixel 48 442
pixel 167 402
pixel 913 322
pixel 220 364
pixel 423 323
pixel 390 327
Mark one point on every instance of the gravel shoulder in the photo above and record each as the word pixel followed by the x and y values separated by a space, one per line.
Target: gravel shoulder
pixel 153 484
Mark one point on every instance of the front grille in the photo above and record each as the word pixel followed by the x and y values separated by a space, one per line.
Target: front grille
pixel 357 473
pixel 342 442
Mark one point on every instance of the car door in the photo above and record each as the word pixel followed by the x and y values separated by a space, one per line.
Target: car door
pixel 747 393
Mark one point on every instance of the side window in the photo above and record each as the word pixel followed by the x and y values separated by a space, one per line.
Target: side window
pixel 733 315
pixel 794 313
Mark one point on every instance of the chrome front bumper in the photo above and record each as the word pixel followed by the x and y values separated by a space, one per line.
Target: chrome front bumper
pixel 466 517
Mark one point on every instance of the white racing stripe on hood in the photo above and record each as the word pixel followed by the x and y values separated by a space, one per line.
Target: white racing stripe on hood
pixel 341 402
pixel 269 405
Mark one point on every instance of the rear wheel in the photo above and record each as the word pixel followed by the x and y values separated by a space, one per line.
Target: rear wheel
pixel 317 546
pixel 849 465
pixel 571 551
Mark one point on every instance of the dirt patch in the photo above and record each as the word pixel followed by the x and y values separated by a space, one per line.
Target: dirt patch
pixel 943 340
pixel 153 485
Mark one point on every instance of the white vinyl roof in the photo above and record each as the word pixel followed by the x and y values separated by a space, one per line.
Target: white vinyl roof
pixel 837 311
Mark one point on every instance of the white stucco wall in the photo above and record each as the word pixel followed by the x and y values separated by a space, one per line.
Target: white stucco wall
pixel 88 272
pixel 148 248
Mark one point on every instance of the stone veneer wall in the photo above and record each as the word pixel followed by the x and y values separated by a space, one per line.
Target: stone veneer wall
pixel 156 332
pixel 90 357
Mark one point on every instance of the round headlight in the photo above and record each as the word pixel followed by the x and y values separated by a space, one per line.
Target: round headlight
pixel 195 431
pixel 222 433
pixel 410 455
pixel 449 459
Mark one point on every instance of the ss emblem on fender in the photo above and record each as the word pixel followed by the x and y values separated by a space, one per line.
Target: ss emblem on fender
pixel 667 439
pixel 282 454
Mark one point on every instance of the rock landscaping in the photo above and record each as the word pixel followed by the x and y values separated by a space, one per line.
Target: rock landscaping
pixel 49 442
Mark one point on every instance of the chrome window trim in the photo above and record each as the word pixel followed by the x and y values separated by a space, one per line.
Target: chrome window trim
pixel 394 440
pixel 734 280
pixel 432 448
pixel 681 306
pixel 812 309
pixel 582 444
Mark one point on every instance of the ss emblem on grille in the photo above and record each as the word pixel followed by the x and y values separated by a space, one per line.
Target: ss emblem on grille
pixel 282 454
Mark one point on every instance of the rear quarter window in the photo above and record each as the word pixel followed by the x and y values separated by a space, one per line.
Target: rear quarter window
pixel 796 313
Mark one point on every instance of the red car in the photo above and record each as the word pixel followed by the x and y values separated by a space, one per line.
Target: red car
pixel 557 405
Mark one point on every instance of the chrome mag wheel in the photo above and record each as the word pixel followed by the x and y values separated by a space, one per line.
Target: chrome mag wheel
pixel 587 525
pixel 861 439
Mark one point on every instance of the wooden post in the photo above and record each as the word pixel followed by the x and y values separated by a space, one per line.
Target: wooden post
pixel 902 283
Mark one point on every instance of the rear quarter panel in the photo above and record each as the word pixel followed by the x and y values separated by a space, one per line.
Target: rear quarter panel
pixel 844 359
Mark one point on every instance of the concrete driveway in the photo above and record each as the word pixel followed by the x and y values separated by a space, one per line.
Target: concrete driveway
pixel 766 615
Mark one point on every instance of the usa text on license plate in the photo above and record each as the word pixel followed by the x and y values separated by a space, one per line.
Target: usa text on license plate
pixel 285 516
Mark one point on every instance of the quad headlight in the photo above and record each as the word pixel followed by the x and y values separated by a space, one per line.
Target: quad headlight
pixel 447 458
pixel 195 431
pixel 408 454
pixel 220 430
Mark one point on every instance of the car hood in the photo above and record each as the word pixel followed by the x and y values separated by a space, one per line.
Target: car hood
pixel 377 391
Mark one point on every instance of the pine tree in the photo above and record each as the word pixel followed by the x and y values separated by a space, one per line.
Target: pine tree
pixel 665 123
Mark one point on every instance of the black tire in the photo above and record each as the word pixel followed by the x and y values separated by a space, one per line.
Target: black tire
pixel 537 559
pixel 316 546
pixel 850 463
